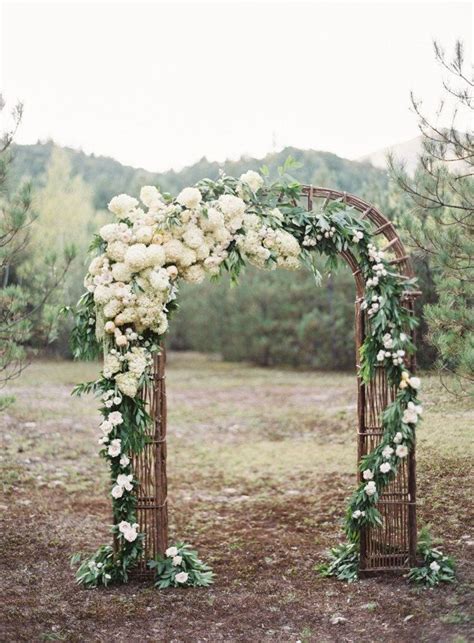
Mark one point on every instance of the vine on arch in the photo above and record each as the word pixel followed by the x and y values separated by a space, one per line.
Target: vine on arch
pixel 131 292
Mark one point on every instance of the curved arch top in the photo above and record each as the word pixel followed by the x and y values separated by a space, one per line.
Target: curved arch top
pixel 382 225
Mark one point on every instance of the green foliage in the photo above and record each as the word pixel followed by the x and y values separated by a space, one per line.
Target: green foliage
pixel 27 315
pixel 439 218
pixel 436 568
pixel 344 563
pixel 181 567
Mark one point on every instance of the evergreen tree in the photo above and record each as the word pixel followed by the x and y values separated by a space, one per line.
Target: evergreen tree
pixel 440 222
pixel 20 301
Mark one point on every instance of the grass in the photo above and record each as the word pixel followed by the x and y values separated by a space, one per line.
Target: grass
pixel 260 464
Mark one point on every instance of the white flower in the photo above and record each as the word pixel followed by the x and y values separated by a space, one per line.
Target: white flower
pixel 232 206
pixel 189 197
pixel 177 560
pixel 136 256
pixel 131 534
pixel 398 437
pixel 434 566
pixel 401 451
pixel 182 577
pixel 171 552
pixel 414 382
pixel 115 418
pixel 387 452
pixel 385 467
pixel 194 274
pixel 117 491
pixel 387 341
pixel 127 383
pixel 358 514
pixel 150 196
pixel 121 272
pixel 252 179
pixel 370 488
pixel 124 460
pixel 115 447
pixel 106 427
pixel 411 413
pixel 129 531
pixel 368 474
pixel 125 481
pixel 122 204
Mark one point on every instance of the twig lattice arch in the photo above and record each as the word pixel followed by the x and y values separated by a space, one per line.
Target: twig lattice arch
pixel 391 546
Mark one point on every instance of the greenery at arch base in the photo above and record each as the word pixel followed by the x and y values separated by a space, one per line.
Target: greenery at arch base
pixel 131 292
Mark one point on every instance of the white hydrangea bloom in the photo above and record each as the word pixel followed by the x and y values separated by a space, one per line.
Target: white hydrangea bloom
pixel 122 204
pixel 127 383
pixel 150 196
pixel 252 179
pixel 136 257
pixel 189 197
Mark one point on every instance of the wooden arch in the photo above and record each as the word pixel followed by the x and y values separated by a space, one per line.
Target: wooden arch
pixel 389 547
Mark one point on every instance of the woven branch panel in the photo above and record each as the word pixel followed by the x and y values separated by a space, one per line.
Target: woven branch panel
pixel 390 547
pixel 150 467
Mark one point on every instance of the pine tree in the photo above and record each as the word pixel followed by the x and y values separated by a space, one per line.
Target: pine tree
pixel 21 300
pixel 440 221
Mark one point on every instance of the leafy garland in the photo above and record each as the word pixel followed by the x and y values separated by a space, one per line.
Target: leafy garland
pixel 132 285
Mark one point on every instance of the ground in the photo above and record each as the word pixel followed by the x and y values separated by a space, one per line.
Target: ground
pixel 260 464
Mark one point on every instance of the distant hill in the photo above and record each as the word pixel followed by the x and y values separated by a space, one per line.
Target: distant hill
pixel 407 152
pixel 108 177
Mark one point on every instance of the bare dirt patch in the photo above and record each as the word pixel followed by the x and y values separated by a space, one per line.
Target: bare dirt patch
pixel 262 506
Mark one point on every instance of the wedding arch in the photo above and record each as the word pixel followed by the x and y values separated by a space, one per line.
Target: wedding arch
pixel 131 292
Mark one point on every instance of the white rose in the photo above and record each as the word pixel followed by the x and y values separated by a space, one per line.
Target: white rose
pixel 189 197
pixel 114 448
pixel 252 179
pixel 117 491
pixel 115 418
pixel 125 481
pixel 370 488
pixel 171 552
pixel 385 467
pixel 401 451
pixel 414 382
pixel 177 560
pixel 387 452
pixel 367 474
pixel 130 534
pixel 434 566
pixel 182 577
pixel 398 437
pixel 106 427
pixel 122 204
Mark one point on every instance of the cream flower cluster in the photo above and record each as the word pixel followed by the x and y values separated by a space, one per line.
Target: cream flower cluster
pixel 155 244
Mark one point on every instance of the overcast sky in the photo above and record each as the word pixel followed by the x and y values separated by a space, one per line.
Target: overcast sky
pixel 161 85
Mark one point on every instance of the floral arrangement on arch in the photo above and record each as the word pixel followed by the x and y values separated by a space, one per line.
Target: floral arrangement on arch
pixel 131 291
